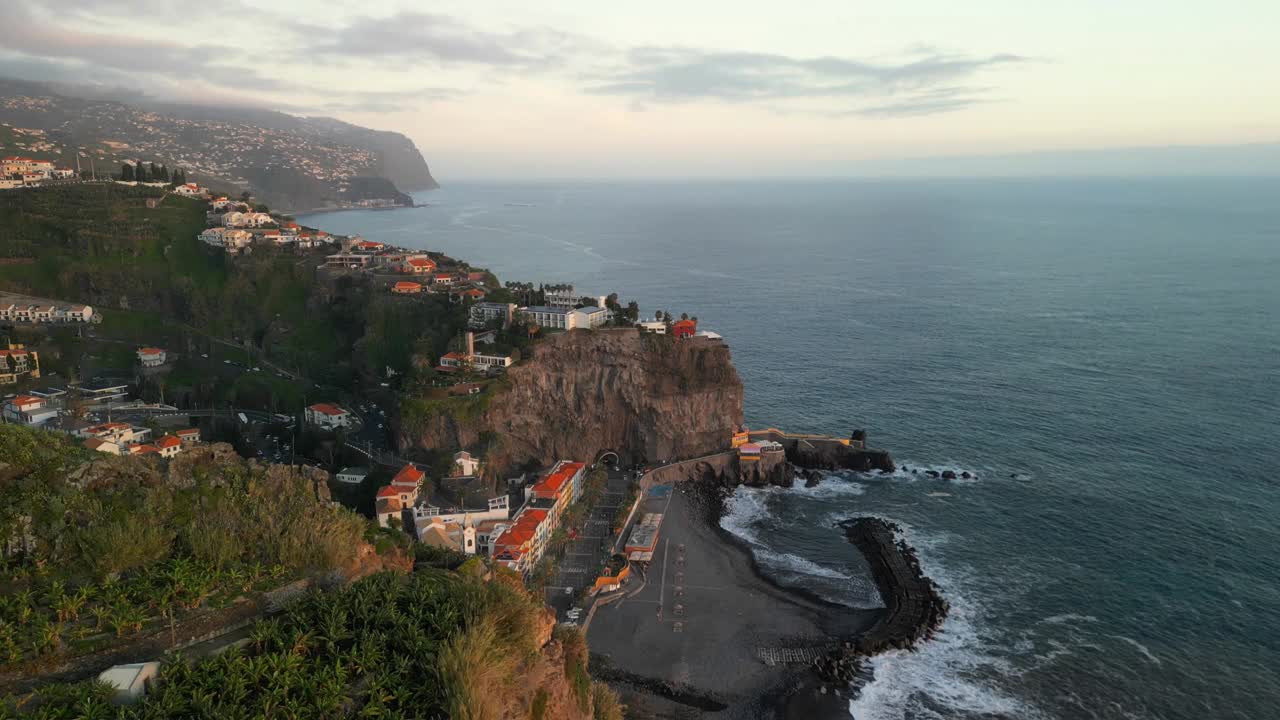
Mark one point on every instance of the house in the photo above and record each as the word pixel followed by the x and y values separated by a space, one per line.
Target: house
pixel 17 362
pixel 169 445
pixel 406 288
pixel 367 247
pixel 27 410
pixel 237 219
pixel 453 360
pixel 228 238
pixel 130 682
pixel 450 535
pixel 465 463
pixel 64 173
pixel 556 318
pixel 590 317
pixel 684 328
pixel 469 294
pixel 188 436
pixel 329 416
pixel 150 357
pixel 483 313
pixel 352 475
pixel 418 265
pixel 351 260
pixel 393 499
pixel 115 432
pixel 103 446
pixel 443 278
pixel 656 327
pixel 189 190
pixel 144 449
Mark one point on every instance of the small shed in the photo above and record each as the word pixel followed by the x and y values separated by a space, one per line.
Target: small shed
pixel 131 681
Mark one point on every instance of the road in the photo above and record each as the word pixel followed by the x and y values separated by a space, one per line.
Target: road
pixel 585 556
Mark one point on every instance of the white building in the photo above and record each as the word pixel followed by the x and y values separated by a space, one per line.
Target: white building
pixel 24 310
pixel 352 475
pixel 483 313
pixel 247 219
pixel 590 317
pixel 228 238
pixel 28 410
pixel 549 317
pixel 329 416
pixel 465 463
pixel 151 357
pixel 559 295
pixel 189 190
pixel 654 326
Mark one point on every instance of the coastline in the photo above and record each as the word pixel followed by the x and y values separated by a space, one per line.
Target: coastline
pixel 730 613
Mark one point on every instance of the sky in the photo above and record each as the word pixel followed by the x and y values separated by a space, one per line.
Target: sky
pixel 705 88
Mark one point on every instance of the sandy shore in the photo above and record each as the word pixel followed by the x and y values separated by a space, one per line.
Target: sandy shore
pixel 690 637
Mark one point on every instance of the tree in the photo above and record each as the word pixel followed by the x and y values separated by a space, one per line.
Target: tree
pixel 140 173
pixel 154 171
pixel 245 196
pixel 633 311
pixel 126 172
pixel 179 176
pixel 684 316
pixel 163 176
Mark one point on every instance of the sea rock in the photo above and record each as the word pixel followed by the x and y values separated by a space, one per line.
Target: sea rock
pixel 948 474
pixel 965 475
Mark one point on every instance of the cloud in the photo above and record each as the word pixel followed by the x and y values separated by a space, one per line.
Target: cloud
pixel 920 85
pixel 391 101
pixel 441 39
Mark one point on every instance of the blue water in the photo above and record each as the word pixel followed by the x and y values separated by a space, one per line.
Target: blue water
pixel 1103 354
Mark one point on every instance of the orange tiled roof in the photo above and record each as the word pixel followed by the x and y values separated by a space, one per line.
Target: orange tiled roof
pixel 328 409
pixel 552 484
pixel 408 475
pixel 169 441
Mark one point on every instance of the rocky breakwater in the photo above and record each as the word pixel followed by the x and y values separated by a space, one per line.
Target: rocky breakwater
pixel 832 454
pixel 580 393
pixel 914 609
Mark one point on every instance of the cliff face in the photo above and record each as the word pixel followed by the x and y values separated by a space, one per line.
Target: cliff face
pixel 646 397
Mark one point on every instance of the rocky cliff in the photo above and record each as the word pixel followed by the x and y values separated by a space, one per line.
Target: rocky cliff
pixel 646 397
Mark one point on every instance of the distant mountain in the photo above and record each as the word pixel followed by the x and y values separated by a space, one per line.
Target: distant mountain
pixel 289 162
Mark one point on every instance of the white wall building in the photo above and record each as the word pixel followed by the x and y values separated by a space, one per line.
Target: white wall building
pixel 329 416
pixel 590 317
pixel 549 317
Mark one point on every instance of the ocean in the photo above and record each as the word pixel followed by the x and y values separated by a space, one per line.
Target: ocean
pixel 1103 354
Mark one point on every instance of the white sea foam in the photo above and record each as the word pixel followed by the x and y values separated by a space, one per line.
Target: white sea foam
pixel 1069 618
pixel 943 677
pixel 794 564
pixel 743 510
pixel 1143 649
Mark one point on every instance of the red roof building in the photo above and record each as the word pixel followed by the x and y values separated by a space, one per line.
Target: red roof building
pixel 409 476
pixel 406 288
pixel 684 328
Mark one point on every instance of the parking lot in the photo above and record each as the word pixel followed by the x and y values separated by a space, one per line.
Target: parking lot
pixel 586 555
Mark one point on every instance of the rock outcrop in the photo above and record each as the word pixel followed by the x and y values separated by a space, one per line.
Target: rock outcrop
pixel 646 397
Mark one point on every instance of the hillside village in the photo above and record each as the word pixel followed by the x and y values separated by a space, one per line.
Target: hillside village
pixel 455 509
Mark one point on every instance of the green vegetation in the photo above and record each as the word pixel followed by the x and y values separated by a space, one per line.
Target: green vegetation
pixel 115 551
pixel 432 644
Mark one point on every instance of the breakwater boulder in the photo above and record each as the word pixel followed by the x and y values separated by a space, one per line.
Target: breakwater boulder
pixel 914 608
